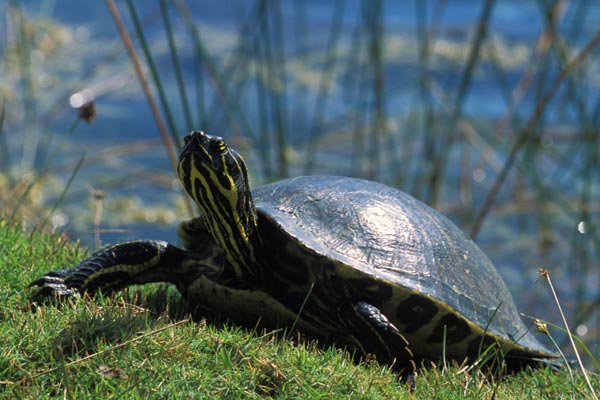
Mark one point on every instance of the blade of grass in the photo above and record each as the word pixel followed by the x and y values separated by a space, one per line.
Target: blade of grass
pixel 147 92
pixel 66 188
pixel 5 155
pixel 237 66
pixel 240 123
pixel 21 200
pixel 31 134
pixel 593 358
pixel 143 82
pixel 579 16
pixel 176 66
pixel 373 20
pixel 55 153
pixel 203 122
pixel 301 49
pixel 112 348
pixel 540 50
pixel 331 55
pixel 439 162
pixel 276 62
pixel 155 75
pixel 310 289
pixel 423 103
pixel 262 93
pixel 546 274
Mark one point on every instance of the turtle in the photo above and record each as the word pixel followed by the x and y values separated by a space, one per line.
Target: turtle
pixel 355 262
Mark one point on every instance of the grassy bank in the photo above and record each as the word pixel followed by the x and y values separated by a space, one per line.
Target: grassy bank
pixel 142 344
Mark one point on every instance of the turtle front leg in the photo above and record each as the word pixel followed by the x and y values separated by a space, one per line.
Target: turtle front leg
pixel 376 335
pixel 116 267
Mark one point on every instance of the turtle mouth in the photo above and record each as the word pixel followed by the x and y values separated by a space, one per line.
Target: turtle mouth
pixel 202 153
pixel 195 141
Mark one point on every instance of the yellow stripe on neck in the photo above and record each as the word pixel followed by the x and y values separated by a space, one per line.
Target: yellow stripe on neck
pixel 222 216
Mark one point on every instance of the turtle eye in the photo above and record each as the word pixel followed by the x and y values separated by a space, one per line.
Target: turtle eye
pixel 217 145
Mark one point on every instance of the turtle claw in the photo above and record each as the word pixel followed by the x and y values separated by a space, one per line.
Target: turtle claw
pixel 53 285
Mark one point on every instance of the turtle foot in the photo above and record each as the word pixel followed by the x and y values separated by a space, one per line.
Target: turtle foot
pixel 53 286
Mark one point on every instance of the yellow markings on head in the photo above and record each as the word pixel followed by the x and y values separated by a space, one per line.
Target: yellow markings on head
pixel 217 194
pixel 220 146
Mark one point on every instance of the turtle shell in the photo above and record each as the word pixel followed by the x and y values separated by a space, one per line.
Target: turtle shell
pixel 441 286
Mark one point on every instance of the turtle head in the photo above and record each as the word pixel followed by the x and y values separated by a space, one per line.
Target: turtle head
pixel 216 177
pixel 209 159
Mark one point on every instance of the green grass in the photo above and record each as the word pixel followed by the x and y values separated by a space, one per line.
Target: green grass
pixel 142 344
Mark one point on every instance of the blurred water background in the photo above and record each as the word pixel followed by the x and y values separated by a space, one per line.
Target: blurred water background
pixel 487 110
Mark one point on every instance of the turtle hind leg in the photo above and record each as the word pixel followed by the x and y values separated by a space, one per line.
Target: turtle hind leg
pixel 375 334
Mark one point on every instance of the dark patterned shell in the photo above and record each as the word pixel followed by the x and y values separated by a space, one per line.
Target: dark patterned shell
pixel 393 238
